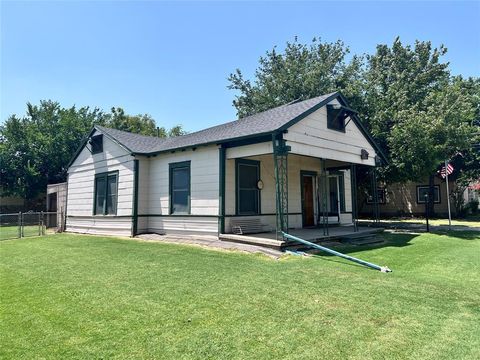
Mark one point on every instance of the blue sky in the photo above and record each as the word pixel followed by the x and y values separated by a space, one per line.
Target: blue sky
pixel 172 60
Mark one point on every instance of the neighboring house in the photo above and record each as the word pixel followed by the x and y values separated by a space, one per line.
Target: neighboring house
pixel 408 199
pixel 288 167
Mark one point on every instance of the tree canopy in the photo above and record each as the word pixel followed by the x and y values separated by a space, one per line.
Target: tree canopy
pixel 36 148
pixel 417 112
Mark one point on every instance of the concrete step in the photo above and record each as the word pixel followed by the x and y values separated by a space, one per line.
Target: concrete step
pixel 252 240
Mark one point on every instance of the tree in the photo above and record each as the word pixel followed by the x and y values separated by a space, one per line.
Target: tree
pixel 35 149
pixel 139 124
pixel 301 71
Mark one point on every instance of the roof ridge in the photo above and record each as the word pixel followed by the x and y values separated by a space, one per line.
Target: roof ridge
pixel 101 127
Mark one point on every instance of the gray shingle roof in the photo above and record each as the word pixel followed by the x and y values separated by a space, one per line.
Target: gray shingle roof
pixel 257 124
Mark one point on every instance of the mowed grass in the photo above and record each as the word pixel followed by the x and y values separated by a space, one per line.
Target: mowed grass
pixel 11 232
pixel 71 296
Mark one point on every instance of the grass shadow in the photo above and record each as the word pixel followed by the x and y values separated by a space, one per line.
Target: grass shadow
pixel 389 240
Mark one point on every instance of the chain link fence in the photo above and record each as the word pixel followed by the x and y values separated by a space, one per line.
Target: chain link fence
pixel 18 225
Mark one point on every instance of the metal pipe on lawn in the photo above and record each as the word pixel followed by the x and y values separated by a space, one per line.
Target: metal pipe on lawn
pixel 336 253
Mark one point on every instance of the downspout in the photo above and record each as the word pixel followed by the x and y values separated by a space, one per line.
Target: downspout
pixel 353 185
pixel 135 198
pixel 221 190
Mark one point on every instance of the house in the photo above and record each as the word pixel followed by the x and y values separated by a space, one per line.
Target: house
pixel 287 167
pixel 407 199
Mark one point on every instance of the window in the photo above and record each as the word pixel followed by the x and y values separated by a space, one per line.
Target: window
pixel 423 190
pixel 97 144
pixel 335 118
pixel 381 196
pixel 180 188
pixel 248 194
pixel 105 201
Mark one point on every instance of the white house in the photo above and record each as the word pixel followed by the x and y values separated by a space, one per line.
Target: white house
pixel 288 167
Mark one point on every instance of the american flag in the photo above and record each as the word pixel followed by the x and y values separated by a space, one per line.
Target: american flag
pixel 444 172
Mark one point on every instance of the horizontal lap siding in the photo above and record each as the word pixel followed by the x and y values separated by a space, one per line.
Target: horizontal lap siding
pixel 204 178
pixel 143 193
pixel 179 224
pixel 312 137
pixel 80 198
pixel 100 225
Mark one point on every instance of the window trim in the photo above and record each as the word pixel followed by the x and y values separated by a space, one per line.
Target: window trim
pixel 427 186
pixel 384 201
pixel 171 168
pixel 329 106
pixel 237 187
pixel 105 175
pixel 93 138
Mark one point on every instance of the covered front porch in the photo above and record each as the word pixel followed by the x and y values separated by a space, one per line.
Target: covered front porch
pixel 268 188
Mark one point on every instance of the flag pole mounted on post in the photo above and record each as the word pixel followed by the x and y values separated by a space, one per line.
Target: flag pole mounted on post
pixel 447 170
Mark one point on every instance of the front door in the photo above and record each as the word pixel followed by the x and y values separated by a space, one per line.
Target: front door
pixel 307 201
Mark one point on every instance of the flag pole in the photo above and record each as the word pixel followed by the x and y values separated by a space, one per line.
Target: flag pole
pixel 448 198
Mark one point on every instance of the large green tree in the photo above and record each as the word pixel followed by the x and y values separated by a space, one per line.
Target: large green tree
pixel 300 71
pixel 36 148
pixel 415 110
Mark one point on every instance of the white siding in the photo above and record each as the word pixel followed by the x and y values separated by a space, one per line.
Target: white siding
pixel 249 150
pixel 154 197
pixel 80 197
pixel 312 137
pixel 143 193
pixel 183 224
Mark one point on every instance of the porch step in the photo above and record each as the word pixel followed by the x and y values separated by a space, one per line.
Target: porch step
pixel 252 240
pixel 366 240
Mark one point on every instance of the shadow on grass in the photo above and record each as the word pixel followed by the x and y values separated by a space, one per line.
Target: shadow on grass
pixel 465 235
pixel 389 240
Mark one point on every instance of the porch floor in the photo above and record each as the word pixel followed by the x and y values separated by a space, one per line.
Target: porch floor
pixel 337 233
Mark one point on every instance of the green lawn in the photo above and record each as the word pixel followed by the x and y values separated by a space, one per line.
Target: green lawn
pixel 11 232
pixel 67 296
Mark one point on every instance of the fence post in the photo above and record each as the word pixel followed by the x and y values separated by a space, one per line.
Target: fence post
pixel 19 221
pixel 42 221
pixel 22 225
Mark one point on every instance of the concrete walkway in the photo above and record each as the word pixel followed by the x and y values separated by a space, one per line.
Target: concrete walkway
pixel 212 242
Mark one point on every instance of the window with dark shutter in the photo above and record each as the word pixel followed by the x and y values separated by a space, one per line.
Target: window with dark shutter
pixel 180 188
pixel 248 194
pixel 105 197
pixel 97 144
pixel 335 118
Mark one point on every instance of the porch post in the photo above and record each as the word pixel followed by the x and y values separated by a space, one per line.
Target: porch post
pixel 353 184
pixel 221 190
pixel 374 194
pixel 280 152
pixel 324 197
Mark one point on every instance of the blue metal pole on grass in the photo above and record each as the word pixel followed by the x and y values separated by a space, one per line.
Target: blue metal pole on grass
pixel 336 253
